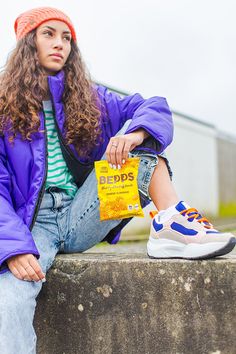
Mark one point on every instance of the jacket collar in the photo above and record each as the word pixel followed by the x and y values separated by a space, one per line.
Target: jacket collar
pixel 56 86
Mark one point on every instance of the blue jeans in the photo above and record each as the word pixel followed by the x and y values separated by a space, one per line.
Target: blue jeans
pixel 63 225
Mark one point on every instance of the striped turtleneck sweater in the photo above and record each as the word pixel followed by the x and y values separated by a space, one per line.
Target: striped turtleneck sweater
pixel 58 174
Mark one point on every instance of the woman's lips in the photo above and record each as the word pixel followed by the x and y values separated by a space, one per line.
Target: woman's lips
pixel 56 56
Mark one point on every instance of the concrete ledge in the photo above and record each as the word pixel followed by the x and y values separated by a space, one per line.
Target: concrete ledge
pixel 112 304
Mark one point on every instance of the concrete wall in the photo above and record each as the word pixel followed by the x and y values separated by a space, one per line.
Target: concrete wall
pixel 129 304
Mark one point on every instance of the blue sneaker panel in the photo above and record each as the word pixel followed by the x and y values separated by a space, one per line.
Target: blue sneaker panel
pixel 183 230
pixel 180 206
pixel 157 226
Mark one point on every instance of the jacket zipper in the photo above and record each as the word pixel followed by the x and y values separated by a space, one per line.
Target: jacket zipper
pixel 42 190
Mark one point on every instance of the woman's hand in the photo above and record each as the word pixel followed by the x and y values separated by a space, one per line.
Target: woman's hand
pixel 120 145
pixel 25 267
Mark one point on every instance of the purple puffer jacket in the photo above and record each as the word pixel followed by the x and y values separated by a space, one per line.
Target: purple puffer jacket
pixel 23 165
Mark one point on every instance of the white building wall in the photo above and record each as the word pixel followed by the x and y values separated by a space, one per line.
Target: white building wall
pixel 193 158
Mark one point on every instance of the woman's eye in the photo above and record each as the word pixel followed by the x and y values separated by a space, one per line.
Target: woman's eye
pixel 48 33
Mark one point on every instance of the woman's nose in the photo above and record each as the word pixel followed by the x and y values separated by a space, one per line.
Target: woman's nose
pixel 58 43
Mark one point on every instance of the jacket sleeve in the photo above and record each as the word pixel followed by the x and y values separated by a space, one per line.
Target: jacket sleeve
pixel 152 114
pixel 15 236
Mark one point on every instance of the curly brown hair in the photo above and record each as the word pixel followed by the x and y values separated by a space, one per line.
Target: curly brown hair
pixel 23 85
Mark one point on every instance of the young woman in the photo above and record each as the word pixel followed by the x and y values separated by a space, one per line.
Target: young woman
pixel 54 123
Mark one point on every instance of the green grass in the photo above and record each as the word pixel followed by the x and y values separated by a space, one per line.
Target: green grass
pixel 227 209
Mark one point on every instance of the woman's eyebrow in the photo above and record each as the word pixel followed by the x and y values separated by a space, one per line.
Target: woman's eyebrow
pixel 53 29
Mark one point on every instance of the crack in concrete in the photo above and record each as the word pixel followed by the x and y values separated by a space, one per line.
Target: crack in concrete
pixel 74 274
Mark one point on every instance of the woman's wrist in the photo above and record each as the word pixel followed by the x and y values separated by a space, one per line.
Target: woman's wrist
pixel 143 133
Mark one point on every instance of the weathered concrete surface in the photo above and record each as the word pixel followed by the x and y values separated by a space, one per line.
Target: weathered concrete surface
pixel 114 304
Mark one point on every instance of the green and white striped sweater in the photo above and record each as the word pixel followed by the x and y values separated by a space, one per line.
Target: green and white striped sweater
pixel 58 174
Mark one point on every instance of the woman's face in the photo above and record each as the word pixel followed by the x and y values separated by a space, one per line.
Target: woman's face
pixel 53 43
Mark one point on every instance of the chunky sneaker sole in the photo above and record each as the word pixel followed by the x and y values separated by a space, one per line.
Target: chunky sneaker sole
pixel 162 248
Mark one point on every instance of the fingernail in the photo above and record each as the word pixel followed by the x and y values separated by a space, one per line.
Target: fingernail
pixel 118 167
pixel 114 166
pixel 123 161
pixel 110 165
pixel 43 280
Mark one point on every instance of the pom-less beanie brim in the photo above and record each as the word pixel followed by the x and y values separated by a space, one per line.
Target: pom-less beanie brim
pixel 29 20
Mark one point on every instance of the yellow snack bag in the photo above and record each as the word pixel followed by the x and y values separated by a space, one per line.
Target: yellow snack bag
pixel 118 190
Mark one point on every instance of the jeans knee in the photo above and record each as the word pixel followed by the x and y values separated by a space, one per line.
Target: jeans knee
pixel 16 296
pixel 11 305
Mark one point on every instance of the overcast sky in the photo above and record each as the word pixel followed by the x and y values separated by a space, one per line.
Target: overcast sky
pixel 184 50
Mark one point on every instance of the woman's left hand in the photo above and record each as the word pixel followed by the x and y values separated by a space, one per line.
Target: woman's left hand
pixel 120 145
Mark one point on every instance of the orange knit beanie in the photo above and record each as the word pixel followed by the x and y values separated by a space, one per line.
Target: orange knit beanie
pixel 31 19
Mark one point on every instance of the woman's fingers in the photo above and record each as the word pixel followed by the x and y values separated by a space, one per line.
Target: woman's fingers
pixel 114 151
pixel 117 151
pixel 36 267
pixel 113 156
pixel 127 148
pixel 27 273
pixel 15 272
pixel 31 273
pixel 26 267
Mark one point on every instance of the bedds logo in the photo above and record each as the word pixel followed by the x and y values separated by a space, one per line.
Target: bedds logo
pixel 116 178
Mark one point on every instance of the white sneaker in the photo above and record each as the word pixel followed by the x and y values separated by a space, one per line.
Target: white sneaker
pixel 188 235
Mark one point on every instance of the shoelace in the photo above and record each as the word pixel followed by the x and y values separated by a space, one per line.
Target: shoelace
pixel 195 215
